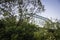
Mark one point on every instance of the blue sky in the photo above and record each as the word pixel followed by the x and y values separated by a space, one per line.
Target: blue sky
pixel 52 9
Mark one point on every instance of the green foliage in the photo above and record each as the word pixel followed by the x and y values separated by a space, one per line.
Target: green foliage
pixel 27 31
pixel 50 31
pixel 6 13
pixel 9 30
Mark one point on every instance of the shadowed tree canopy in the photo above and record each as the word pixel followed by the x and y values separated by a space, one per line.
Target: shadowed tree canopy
pixel 22 6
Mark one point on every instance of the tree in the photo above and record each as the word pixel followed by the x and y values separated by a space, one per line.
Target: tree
pixel 7 7
pixel 9 30
pixel 22 30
